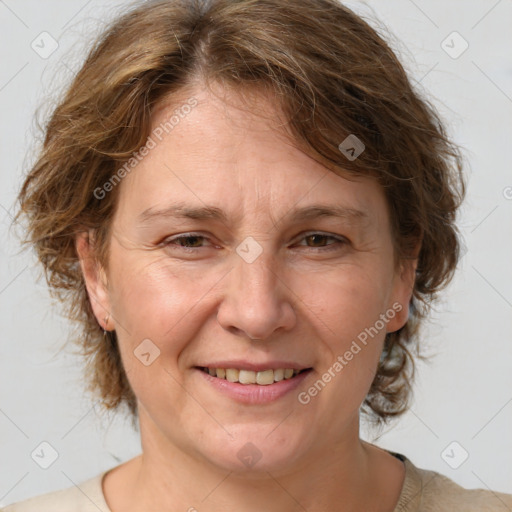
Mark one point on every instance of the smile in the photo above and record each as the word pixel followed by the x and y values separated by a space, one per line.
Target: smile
pixel 252 387
pixel 263 378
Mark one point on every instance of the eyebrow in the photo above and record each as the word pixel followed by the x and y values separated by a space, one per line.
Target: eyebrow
pixel 312 212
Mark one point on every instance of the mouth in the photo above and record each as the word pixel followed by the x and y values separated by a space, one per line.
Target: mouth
pixel 263 377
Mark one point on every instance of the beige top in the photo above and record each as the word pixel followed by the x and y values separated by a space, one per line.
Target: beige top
pixel 422 491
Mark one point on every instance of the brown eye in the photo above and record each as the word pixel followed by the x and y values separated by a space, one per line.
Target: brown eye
pixel 320 241
pixel 192 240
pixel 189 242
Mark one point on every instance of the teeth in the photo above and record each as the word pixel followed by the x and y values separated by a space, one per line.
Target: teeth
pixel 247 377
pixel 278 375
pixel 232 375
pixel 264 378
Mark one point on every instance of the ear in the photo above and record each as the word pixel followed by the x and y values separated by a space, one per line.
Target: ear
pixel 95 279
pixel 400 298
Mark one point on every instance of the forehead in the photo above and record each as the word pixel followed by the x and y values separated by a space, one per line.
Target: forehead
pixel 235 154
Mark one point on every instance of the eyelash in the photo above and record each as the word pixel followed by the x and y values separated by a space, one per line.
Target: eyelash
pixel 330 247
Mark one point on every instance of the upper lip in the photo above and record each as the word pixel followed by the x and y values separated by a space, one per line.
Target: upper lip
pixel 255 367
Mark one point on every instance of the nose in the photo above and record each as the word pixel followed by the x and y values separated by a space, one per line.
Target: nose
pixel 256 302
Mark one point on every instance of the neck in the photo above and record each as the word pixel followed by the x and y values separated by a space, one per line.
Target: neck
pixel 340 477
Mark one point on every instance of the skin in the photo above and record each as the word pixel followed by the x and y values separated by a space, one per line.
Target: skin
pixel 297 301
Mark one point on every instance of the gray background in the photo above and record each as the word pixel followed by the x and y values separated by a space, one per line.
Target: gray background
pixel 463 395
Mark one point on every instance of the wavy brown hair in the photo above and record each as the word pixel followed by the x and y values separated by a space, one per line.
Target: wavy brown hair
pixel 332 74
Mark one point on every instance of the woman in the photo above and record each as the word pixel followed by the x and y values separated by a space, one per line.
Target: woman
pixel 249 210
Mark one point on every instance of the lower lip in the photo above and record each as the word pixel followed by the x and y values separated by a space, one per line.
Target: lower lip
pixel 255 393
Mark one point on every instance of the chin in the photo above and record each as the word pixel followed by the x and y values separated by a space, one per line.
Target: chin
pixel 253 452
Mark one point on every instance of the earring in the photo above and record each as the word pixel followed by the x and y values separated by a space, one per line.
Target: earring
pixel 106 325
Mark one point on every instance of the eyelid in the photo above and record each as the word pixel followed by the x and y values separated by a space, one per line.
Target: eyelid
pixel 305 234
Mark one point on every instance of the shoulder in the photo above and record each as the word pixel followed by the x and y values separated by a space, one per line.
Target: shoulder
pixel 429 491
pixel 440 490
pixel 84 497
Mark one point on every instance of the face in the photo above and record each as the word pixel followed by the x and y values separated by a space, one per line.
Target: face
pixel 224 255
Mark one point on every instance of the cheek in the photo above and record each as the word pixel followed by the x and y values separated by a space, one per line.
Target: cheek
pixel 346 311
pixel 156 313
pixel 346 301
pixel 147 302
pixel 152 299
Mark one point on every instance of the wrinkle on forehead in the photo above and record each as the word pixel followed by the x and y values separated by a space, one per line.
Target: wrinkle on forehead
pixel 224 154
